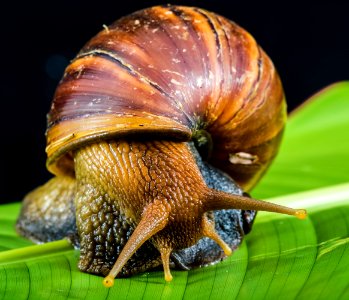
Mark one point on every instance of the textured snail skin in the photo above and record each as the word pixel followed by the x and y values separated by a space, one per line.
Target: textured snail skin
pixel 41 224
pixel 121 133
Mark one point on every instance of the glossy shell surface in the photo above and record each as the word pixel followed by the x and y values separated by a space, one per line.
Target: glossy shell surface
pixel 169 72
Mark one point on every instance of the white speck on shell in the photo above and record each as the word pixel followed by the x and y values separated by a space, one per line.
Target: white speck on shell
pixel 243 158
pixel 199 82
pixel 172 72
pixel 174 81
pixel 106 28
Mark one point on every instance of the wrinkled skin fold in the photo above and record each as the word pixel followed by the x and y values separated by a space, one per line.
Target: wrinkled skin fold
pixel 49 213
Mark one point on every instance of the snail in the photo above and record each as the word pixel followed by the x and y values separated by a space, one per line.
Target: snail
pixel 158 129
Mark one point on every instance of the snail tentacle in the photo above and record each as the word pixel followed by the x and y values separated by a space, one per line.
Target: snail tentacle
pixel 165 257
pixel 154 218
pixel 209 231
pixel 222 200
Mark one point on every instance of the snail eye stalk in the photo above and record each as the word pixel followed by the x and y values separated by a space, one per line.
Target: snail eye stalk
pixel 221 200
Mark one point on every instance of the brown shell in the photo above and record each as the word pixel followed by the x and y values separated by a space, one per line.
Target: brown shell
pixel 169 71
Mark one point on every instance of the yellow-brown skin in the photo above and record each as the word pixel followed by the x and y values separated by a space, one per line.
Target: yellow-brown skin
pixel 160 175
pixel 158 186
pixel 136 174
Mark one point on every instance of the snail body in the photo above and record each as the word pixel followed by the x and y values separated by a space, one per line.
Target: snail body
pixel 147 127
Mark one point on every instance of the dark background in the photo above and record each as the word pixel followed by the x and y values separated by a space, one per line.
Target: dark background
pixel 308 44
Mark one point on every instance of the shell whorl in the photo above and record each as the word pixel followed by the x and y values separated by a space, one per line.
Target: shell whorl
pixel 169 71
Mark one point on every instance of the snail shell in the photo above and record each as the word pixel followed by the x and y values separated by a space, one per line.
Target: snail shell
pixel 172 72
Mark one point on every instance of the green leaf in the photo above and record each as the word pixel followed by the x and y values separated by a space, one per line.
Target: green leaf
pixel 315 149
pixel 282 258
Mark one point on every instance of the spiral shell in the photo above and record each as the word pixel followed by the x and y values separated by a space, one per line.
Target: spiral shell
pixel 172 72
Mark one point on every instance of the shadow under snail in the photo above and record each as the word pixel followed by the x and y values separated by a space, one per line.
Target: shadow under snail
pixel 148 126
